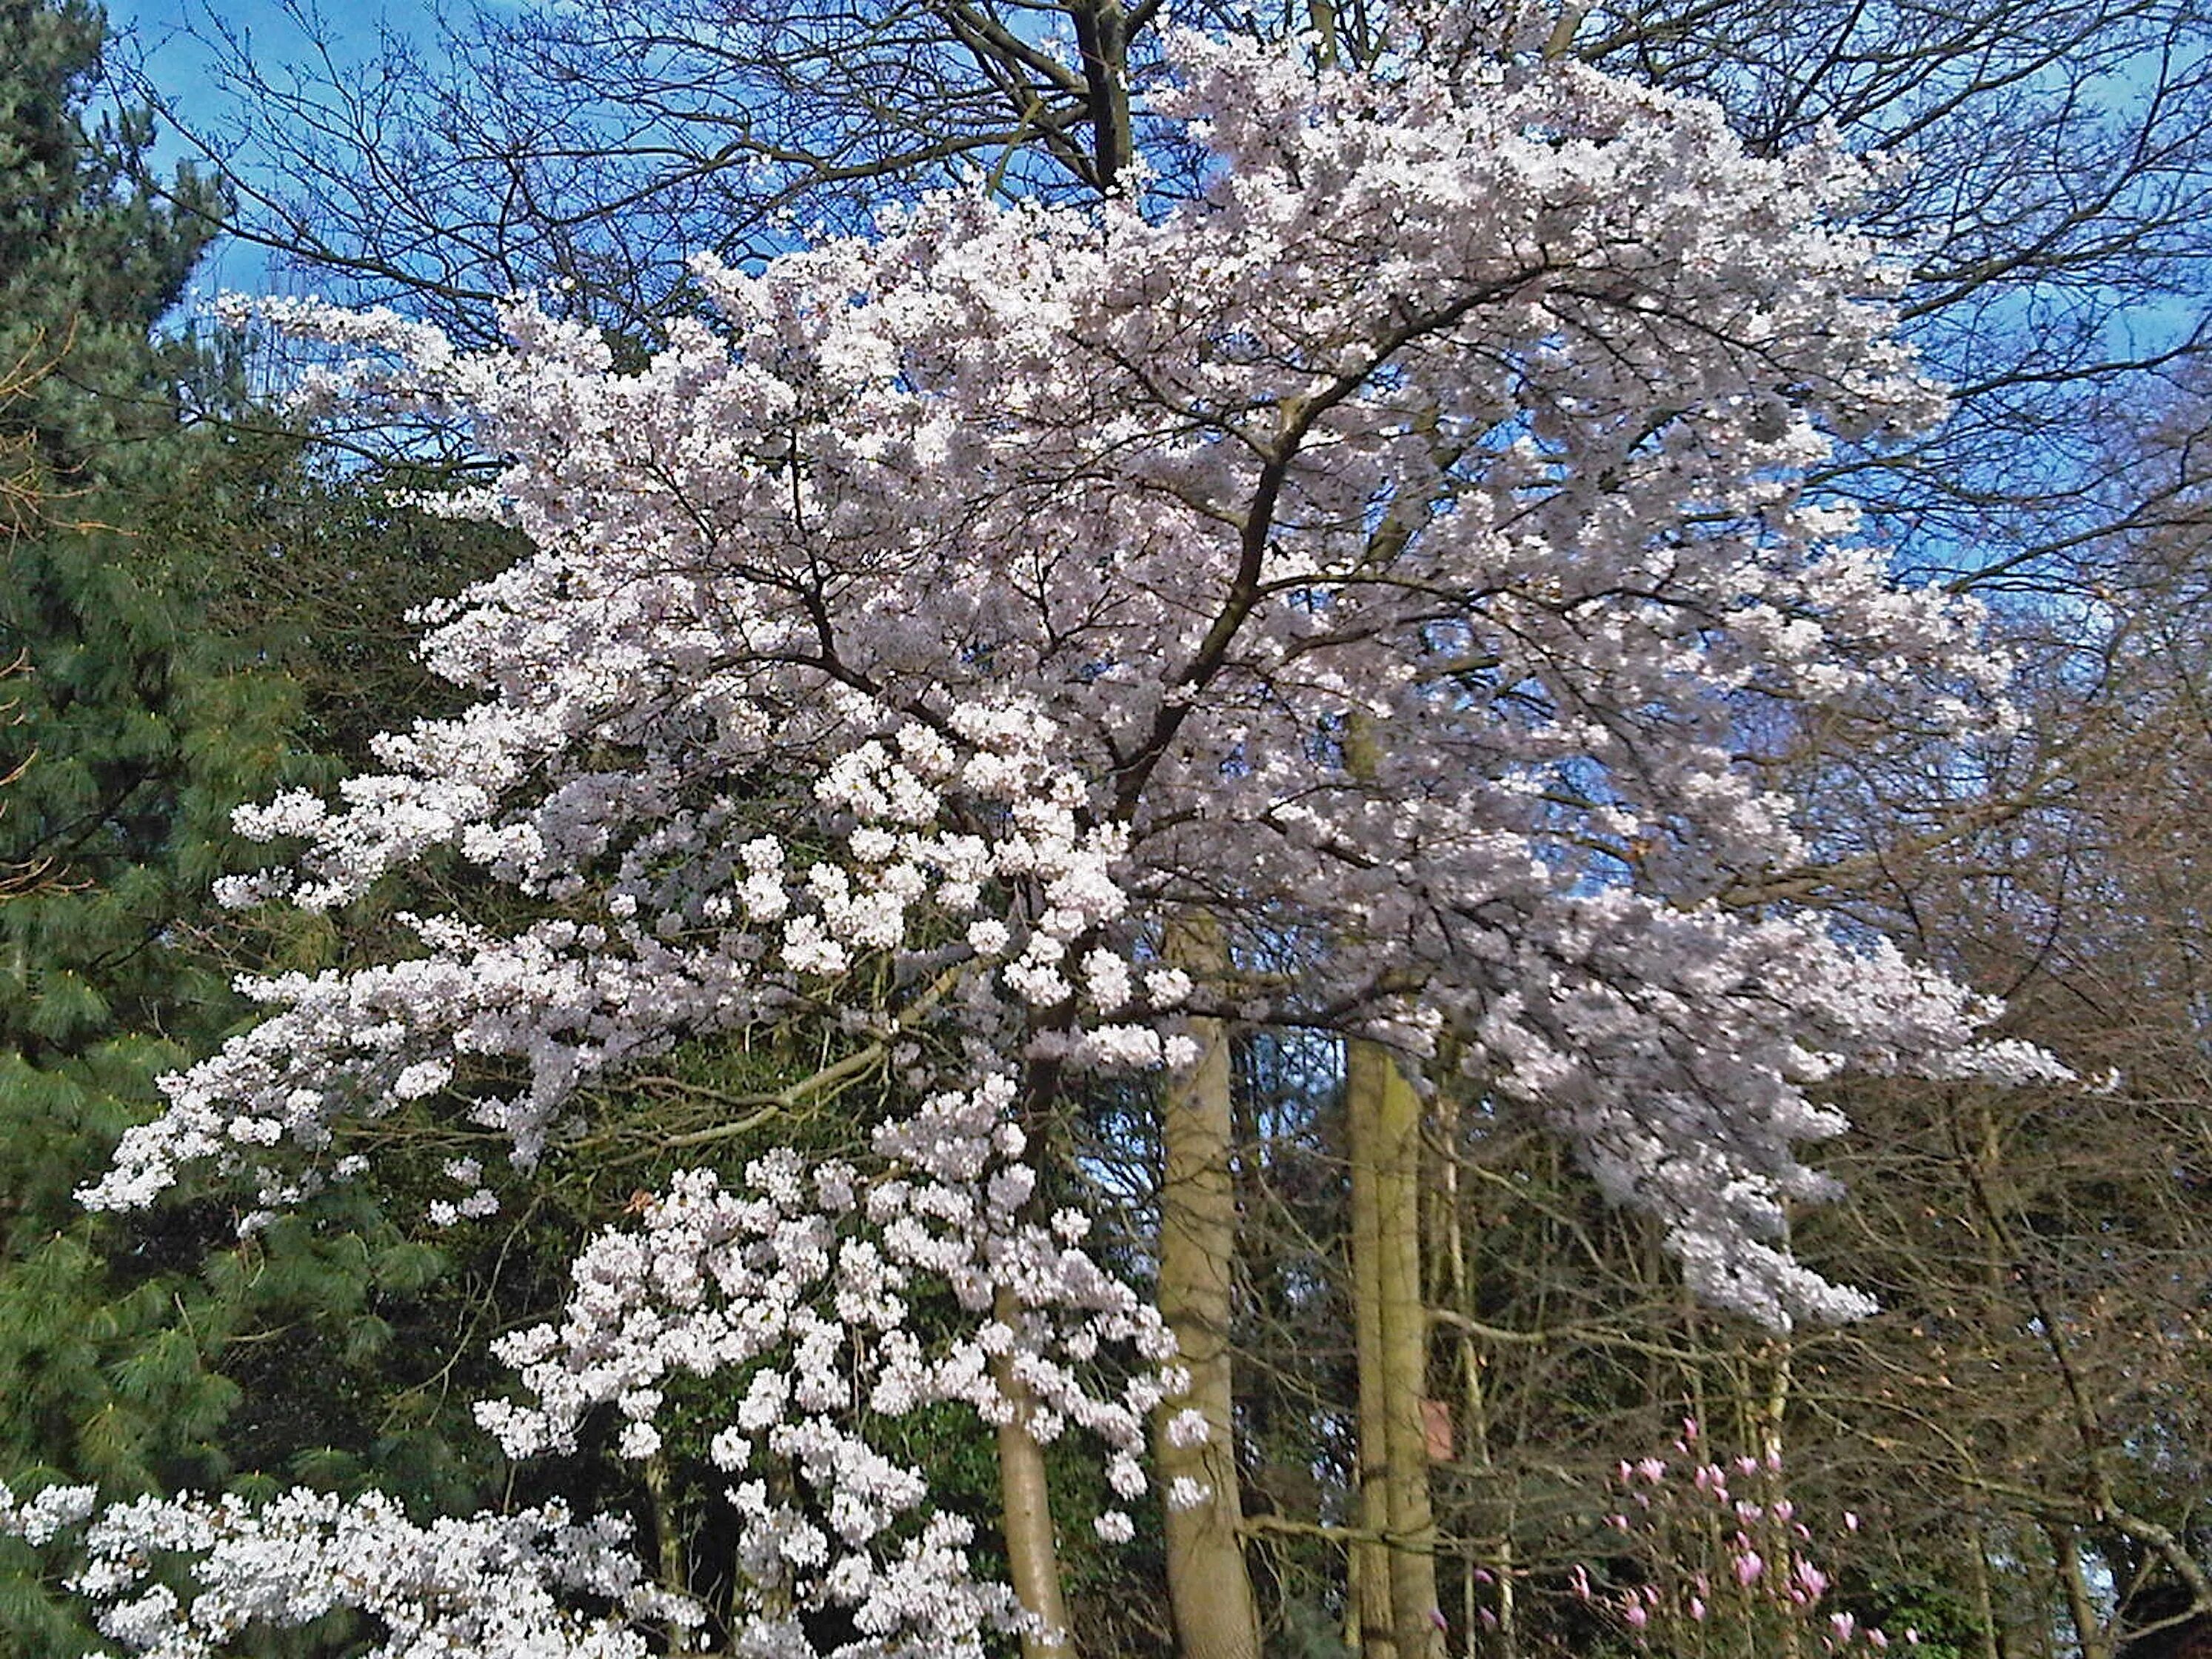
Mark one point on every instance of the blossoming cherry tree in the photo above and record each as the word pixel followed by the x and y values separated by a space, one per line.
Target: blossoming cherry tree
pixel 1385 558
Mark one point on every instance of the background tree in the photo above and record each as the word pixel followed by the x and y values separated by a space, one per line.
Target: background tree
pixel 107 685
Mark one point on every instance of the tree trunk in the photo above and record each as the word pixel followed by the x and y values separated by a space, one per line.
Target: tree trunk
pixel 1985 1611
pixel 1373 1635
pixel 1032 1554
pixel 668 1545
pixel 1773 1414
pixel 1475 1406
pixel 2090 1636
pixel 1209 1589
pixel 1101 40
pixel 1385 1126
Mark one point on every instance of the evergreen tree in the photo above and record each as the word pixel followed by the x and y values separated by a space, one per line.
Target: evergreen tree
pixel 135 732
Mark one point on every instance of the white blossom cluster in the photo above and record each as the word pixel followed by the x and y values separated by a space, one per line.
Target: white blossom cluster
pixel 799 1284
pixel 47 1513
pixel 1686 1094
pixel 954 850
pixel 494 1587
pixel 956 845
pixel 1390 552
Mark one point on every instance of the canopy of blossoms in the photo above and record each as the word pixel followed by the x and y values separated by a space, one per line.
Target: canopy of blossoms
pixel 1394 555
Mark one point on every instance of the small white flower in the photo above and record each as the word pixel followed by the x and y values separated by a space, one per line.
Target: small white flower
pixel 1188 1427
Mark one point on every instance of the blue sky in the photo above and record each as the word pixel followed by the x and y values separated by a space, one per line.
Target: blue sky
pixel 163 36
pixel 165 28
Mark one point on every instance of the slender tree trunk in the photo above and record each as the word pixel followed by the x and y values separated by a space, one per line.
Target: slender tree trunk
pixel 1101 41
pixel 1985 1608
pixel 1209 1588
pixel 1321 23
pixel 668 1545
pixel 1396 1586
pixel 1414 1605
pixel 1375 1636
pixel 1032 1554
pixel 1475 1406
pixel 1384 1117
pixel 1773 1414
pixel 2089 1633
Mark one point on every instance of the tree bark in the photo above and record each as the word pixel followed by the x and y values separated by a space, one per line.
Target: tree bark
pixel 1985 1611
pixel 1475 1404
pixel 668 1545
pixel 1032 1552
pixel 1773 1413
pixel 1372 1632
pixel 1209 1588
pixel 1392 1327
pixel 2090 1636
pixel 1101 40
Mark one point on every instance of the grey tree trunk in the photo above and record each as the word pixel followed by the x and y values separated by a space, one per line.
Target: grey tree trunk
pixel 1209 1588
pixel 1032 1554
pixel 1392 1327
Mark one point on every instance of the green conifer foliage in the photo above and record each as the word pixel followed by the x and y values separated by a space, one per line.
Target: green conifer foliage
pixel 136 730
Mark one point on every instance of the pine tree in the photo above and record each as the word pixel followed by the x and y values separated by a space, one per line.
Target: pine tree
pixel 135 733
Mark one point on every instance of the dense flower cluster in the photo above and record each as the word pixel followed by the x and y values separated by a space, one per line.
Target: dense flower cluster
pixel 799 1281
pixel 954 851
pixel 1718 1542
pixel 955 847
pixel 1404 541
pixel 1395 554
pixel 496 1587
